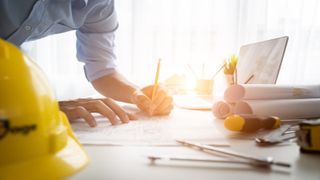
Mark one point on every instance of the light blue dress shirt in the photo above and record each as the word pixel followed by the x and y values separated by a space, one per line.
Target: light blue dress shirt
pixel 95 23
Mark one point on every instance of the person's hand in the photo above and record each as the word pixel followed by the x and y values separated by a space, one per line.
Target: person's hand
pixel 82 108
pixel 161 104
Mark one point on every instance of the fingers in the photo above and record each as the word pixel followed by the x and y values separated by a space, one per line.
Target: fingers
pixel 158 100
pixel 82 108
pixel 79 112
pixel 142 101
pixel 148 90
pixel 99 107
pixel 165 107
pixel 123 115
pixel 161 103
pixel 132 116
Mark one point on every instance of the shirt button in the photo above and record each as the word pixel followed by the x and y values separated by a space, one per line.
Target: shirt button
pixel 27 28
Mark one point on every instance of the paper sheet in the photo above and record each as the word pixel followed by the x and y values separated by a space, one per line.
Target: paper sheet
pixel 197 126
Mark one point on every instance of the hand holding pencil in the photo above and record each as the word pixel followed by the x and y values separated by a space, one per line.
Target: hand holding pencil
pixel 153 99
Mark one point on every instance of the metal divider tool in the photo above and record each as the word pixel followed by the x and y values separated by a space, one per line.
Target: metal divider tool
pixel 245 159
pixel 283 134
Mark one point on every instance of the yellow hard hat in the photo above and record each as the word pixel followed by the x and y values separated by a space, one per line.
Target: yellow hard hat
pixel 36 140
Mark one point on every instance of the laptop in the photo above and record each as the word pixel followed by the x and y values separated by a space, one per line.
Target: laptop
pixel 260 62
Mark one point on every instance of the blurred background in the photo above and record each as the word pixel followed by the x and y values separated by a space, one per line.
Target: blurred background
pixel 199 33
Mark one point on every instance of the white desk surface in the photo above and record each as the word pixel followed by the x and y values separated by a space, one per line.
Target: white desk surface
pixel 129 162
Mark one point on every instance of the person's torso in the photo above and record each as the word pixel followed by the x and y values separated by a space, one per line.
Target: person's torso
pixel 12 14
pixel 39 18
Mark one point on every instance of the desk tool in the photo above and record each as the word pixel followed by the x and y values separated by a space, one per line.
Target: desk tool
pixel 153 158
pixel 257 161
pixel 309 136
pixel 284 134
pixel 245 159
pixel 250 122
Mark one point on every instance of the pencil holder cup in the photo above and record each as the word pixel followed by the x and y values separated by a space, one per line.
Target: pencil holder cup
pixel 230 80
pixel 204 86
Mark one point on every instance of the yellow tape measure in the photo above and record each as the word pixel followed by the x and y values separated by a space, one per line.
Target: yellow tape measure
pixel 309 136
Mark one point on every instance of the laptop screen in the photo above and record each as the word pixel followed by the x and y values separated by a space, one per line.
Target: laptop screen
pixel 259 63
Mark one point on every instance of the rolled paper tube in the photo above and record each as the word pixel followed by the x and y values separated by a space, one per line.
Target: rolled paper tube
pixel 242 107
pixel 234 93
pixel 222 109
pixel 270 91
pixel 283 108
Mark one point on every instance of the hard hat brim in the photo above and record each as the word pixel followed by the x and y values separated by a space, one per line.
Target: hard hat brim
pixel 69 160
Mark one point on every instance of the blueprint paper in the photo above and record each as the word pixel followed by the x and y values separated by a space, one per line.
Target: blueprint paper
pixel 197 126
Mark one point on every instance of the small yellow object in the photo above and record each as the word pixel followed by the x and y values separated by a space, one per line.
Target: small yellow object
pixel 36 141
pixel 234 60
pixel 309 136
pixel 251 122
pixel 277 122
pixel 230 65
pixel 234 123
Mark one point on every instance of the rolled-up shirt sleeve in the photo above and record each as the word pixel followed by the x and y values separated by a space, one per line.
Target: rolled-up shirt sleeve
pixel 95 41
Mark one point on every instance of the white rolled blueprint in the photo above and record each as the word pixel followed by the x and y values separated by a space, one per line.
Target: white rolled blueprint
pixel 270 91
pixel 283 108
pixel 222 109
